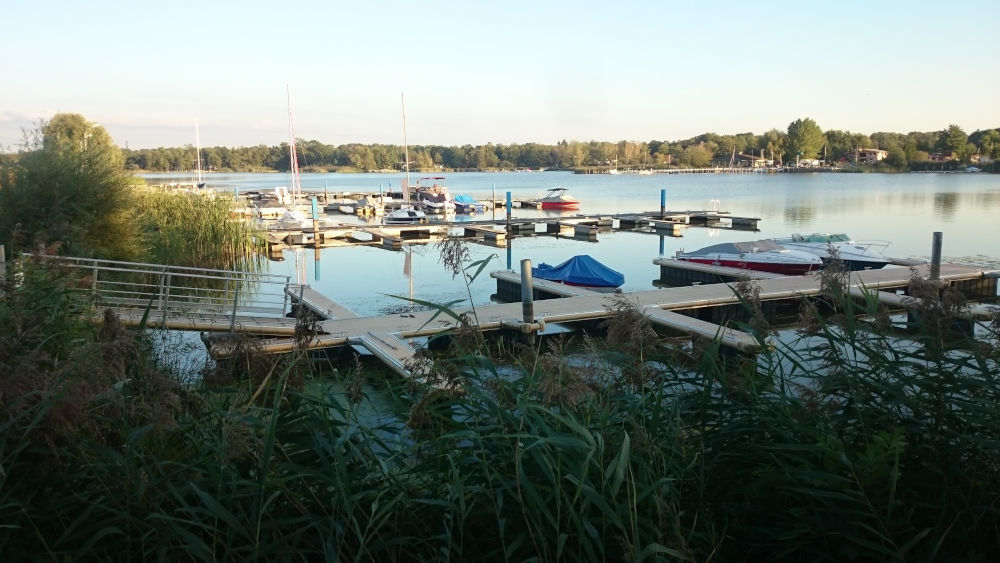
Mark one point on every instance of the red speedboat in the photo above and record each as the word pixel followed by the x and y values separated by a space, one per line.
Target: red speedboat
pixel 762 255
pixel 556 198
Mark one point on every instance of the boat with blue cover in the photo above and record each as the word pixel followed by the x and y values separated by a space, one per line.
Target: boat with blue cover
pixel 581 270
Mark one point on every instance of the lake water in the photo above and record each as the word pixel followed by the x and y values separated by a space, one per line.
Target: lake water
pixel 902 209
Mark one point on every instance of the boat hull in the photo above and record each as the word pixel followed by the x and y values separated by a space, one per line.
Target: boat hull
pixel 772 267
pixel 560 205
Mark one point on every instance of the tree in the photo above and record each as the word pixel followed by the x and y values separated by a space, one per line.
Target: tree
pixel 69 187
pixel 805 138
pixel 953 140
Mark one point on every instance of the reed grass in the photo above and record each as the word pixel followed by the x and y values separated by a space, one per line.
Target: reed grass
pixel 845 443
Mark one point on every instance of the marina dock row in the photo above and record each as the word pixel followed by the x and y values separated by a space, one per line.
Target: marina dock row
pixel 496 232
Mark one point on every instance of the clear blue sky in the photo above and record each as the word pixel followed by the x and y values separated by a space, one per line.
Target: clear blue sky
pixel 507 72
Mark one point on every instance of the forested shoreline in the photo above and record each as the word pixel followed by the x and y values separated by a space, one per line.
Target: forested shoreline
pixel 803 139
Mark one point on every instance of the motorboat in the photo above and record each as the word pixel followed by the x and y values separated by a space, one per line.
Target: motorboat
pixel 405 215
pixel 557 198
pixel 854 254
pixel 760 255
pixel 434 198
pixel 369 206
pixel 468 204
pixel 581 270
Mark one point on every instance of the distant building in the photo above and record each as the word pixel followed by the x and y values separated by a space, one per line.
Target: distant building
pixel 870 156
pixel 750 161
pixel 941 156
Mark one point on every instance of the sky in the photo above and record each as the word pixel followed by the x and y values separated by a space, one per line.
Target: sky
pixel 172 74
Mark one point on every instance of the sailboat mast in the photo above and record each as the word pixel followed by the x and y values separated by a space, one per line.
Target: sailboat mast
pixel 406 153
pixel 296 184
pixel 197 153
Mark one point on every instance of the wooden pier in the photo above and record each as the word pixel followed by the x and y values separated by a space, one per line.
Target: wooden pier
pixel 498 232
pixel 697 310
pixel 154 296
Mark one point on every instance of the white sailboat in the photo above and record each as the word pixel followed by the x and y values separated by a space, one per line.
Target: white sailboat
pixel 199 183
pixel 407 214
pixel 294 217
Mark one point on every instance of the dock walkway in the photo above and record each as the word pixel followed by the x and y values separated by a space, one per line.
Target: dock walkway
pixel 389 336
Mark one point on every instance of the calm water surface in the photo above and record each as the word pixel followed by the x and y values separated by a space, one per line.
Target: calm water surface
pixel 902 209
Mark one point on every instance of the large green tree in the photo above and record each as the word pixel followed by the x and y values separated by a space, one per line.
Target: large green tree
pixel 805 138
pixel 68 187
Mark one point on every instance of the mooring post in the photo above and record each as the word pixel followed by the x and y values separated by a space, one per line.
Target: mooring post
pixel 936 256
pixel 527 293
pixel 315 212
pixel 663 206
pixel 493 202
pixel 509 237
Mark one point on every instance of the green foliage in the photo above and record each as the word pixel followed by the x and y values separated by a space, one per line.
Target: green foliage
pixel 805 138
pixel 68 188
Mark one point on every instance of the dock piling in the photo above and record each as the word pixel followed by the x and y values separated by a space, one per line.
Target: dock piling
pixel 935 272
pixel 663 205
pixel 527 293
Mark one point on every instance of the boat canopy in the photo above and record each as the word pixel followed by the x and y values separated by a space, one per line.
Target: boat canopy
pixel 580 270
pixel 738 248
pixel 465 199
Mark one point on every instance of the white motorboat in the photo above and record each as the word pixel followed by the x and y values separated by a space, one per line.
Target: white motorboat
pixel 557 198
pixel 405 215
pixel 761 255
pixel 854 254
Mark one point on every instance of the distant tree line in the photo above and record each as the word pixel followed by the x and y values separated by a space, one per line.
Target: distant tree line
pixel 802 139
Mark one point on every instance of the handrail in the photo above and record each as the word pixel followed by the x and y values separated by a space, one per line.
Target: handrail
pixel 162 290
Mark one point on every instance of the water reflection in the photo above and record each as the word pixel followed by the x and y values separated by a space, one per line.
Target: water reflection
pixel 945 204
pixel 799 215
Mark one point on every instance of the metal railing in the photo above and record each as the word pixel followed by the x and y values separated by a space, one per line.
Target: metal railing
pixel 168 292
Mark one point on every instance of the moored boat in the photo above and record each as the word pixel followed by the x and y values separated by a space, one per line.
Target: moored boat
pixel 760 255
pixel 467 204
pixel 434 198
pixel 855 255
pixel 557 198
pixel 405 215
pixel 581 270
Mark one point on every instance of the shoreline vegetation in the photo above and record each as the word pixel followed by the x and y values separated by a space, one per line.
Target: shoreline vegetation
pixel 802 145
pixel 856 437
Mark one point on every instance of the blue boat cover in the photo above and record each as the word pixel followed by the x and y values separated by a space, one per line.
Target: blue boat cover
pixel 580 270
pixel 465 199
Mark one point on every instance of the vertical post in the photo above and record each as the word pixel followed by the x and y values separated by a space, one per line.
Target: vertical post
pixel 936 256
pixel 166 300
pixel 236 299
pixel 509 237
pixel 493 202
pixel 527 293
pixel 663 207
pixel 661 244
pixel 284 302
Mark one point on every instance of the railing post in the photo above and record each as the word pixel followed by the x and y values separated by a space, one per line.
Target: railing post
pixel 232 319
pixel 284 303
pixel 166 300
pixel 160 290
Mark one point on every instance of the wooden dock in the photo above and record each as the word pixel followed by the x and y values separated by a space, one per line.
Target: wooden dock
pixel 390 337
pixel 153 295
pixel 498 232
